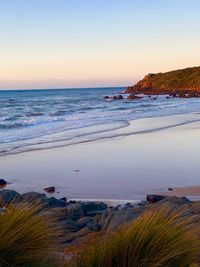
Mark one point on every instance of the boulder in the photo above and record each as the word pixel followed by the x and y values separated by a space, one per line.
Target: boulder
pixel 155 198
pixel 170 189
pixel 55 202
pixel 115 97
pixel 34 197
pixel 43 200
pixel 93 208
pixel 113 219
pixel 3 182
pixel 75 211
pixel 7 196
pixel 72 226
pixel 50 189
pixel 119 97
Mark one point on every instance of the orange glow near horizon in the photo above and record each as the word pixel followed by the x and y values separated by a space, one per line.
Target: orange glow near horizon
pixel 95 49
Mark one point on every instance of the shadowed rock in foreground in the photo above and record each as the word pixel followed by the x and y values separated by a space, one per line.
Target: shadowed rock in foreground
pixel 79 219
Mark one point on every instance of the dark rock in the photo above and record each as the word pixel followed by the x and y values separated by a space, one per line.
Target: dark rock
pixel 71 225
pixel 7 196
pixel 128 205
pixel 76 211
pixel 63 199
pixel 155 198
pixel 170 189
pixel 113 219
pixel 34 197
pixel 95 227
pixel 72 202
pixel 84 221
pixel 54 202
pixel 50 189
pixel 115 97
pixel 93 208
pixel 173 95
pixel 3 182
pixel 119 97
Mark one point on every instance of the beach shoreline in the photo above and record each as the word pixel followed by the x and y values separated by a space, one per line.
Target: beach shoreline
pixel 132 163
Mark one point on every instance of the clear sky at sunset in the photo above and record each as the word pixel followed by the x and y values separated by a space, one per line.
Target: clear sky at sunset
pixel 86 43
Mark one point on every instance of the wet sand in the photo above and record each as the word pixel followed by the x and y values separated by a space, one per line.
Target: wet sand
pixel 126 167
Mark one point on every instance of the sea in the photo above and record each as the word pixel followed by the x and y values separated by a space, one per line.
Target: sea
pixel 41 119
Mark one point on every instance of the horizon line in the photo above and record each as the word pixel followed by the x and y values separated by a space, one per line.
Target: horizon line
pixel 61 88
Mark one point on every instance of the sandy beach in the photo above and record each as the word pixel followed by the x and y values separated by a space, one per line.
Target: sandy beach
pixel 148 156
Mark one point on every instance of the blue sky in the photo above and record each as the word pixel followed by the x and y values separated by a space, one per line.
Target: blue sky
pixel 80 43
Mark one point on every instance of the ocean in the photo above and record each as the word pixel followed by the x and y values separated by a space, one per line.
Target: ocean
pixel 41 119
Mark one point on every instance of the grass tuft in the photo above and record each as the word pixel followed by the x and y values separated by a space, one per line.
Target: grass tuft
pixel 161 238
pixel 26 237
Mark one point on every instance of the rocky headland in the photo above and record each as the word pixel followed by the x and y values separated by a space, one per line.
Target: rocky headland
pixel 178 83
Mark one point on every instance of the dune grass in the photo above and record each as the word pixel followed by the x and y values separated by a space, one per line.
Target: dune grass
pixel 156 239
pixel 26 238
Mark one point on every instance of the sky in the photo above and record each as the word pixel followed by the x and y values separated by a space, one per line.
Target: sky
pixel 94 43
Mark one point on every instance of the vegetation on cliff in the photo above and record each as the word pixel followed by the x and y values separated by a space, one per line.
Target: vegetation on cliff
pixel 183 80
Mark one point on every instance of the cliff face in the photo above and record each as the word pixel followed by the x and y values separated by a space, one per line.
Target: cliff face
pixel 184 81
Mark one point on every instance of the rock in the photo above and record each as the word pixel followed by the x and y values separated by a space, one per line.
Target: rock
pixel 173 95
pixel 3 182
pixel 63 199
pixel 72 226
pixel 75 211
pixel 155 198
pixel 119 97
pixel 7 196
pixel 170 189
pixel 113 219
pixel 42 199
pixel 72 202
pixel 50 189
pixel 54 202
pixel 93 208
pixel 34 197
pixel 115 97
pixel 132 97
